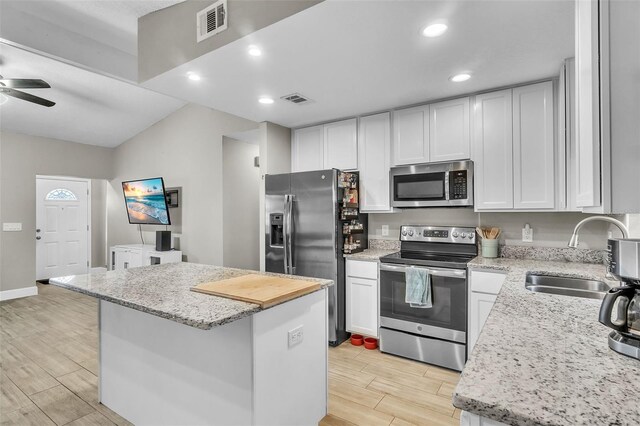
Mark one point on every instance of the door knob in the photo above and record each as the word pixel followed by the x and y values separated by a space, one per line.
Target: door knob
pixel 38 237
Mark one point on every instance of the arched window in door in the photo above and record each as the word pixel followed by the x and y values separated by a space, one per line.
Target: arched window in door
pixel 61 194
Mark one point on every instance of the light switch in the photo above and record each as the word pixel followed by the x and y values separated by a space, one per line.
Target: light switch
pixel 11 227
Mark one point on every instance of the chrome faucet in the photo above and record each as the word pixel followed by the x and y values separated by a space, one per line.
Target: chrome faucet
pixel 573 242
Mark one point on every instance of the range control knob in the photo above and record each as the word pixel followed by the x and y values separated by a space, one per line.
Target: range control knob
pixel 470 235
pixel 463 235
pixel 455 234
pixel 411 233
pixel 404 233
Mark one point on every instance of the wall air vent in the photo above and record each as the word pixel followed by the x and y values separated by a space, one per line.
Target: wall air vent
pixel 297 98
pixel 212 20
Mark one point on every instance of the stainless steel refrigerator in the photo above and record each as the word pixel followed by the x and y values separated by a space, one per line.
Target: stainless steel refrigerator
pixel 304 234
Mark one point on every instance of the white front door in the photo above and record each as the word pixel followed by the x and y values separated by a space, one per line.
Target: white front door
pixel 62 227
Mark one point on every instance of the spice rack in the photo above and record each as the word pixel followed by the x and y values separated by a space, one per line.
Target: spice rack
pixel 354 223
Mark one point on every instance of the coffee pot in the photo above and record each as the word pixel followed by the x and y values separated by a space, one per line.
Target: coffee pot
pixel 620 309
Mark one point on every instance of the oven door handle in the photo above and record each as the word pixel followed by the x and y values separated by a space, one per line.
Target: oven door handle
pixel 454 273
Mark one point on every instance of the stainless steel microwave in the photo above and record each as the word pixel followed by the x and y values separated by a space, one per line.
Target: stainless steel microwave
pixel 448 184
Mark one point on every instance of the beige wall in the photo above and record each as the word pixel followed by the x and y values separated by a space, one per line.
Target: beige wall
pixel 98 223
pixel 549 229
pixel 241 203
pixel 167 37
pixel 186 149
pixel 22 158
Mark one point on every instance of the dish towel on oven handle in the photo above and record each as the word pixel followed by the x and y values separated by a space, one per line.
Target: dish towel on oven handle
pixel 418 288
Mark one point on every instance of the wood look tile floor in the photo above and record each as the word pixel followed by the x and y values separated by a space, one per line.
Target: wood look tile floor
pixel 49 361
pixel 367 387
pixel 49 367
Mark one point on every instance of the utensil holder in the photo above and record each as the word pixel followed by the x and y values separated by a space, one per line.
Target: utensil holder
pixel 489 248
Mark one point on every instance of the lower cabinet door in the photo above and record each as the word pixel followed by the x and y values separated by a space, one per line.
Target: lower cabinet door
pixel 480 305
pixel 121 260
pixel 362 306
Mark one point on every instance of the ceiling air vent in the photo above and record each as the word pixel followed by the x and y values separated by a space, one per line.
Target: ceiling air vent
pixel 297 98
pixel 212 20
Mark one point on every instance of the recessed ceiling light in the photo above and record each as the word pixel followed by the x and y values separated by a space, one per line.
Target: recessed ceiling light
pixel 265 100
pixel 434 30
pixel 3 99
pixel 460 77
pixel 193 76
pixel 254 51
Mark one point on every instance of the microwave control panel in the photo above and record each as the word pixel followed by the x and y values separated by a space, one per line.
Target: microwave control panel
pixel 458 185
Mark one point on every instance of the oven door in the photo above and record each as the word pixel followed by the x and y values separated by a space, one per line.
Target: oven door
pixel 446 319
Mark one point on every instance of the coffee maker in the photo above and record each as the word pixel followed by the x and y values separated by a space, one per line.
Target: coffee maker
pixel 620 308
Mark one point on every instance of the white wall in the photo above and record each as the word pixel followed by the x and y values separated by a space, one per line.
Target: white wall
pixel 186 149
pixel 549 229
pixel 241 204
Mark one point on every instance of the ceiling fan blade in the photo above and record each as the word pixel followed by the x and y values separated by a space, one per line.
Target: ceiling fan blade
pixel 24 83
pixel 26 97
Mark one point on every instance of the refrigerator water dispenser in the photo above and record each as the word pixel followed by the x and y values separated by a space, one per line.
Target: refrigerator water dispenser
pixel 276 230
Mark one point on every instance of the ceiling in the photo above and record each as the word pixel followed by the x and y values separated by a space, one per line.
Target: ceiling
pixel 112 22
pixel 355 57
pixel 90 108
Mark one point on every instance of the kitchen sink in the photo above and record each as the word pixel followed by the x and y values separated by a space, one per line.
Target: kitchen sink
pixel 576 287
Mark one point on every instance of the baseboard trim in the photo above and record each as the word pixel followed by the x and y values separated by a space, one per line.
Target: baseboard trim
pixel 18 292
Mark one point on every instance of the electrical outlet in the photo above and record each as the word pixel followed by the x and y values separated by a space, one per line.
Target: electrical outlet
pixel 385 230
pixel 527 234
pixel 12 227
pixel 296 336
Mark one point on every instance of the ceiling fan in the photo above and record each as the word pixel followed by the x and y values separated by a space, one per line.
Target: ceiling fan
pixel 8 86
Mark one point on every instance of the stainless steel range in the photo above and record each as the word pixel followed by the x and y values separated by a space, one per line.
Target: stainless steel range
pixel 436 335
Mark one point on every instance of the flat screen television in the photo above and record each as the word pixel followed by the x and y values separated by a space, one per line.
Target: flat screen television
pixel 146 202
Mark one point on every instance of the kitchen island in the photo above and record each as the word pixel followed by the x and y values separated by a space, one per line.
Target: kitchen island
pixel 168 355
pixel 543 359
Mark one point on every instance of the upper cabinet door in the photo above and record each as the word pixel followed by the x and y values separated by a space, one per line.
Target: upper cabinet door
pixel 493 151
pixel 449 130
pixel 533 147
pixel 374 152
pixel 411 135
pixel 341 145
pixel 307 149
pixel 587 125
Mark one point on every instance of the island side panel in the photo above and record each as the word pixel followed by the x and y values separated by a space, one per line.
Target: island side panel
pixel 290 382
pixel 158 372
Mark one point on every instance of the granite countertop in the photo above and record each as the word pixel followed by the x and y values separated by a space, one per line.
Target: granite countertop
pixel 164 291
pixel 370 254
pixel 543 359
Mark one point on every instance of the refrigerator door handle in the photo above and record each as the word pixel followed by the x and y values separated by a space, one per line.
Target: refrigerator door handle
pixel 288 234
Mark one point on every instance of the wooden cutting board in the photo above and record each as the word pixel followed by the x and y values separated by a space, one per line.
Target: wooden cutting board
pixel 262 290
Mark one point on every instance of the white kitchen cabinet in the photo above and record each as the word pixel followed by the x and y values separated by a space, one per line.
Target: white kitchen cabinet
pixel 533 147
pixel 484 287
pixel 493 151
pixel 341 145
pixel 374 153
pixel 362 306
pixel 307 149
pixel 411 135
pixel 449 130
pixel 133 255
pixel 470 419
pixel 587 126
pixel 515 149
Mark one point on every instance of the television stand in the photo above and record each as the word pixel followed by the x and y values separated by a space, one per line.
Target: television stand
pixel 126 256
